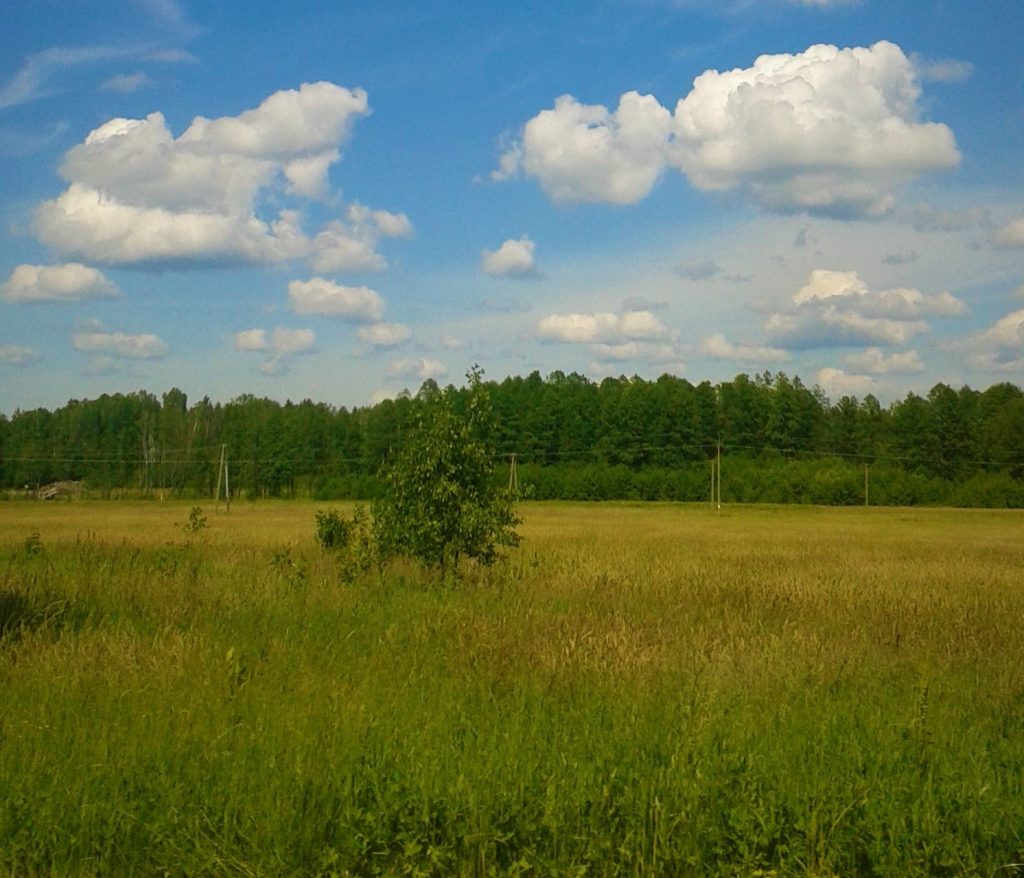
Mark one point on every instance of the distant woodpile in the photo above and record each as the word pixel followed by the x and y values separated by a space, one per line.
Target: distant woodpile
pixel 59 491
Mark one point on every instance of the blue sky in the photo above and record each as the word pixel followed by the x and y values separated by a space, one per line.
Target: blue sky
pixel 337 201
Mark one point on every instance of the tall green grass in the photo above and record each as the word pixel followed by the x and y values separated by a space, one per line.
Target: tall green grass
pixel 639 690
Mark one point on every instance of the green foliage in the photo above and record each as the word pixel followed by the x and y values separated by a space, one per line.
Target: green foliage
pixel 350 539
pixel 332 529
pixel 194 525
pixel 623 438
pixel 440 502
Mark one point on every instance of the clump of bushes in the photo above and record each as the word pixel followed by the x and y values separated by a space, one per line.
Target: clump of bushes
pixel 349 538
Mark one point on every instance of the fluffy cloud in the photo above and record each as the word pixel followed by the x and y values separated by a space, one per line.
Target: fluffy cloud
pixel 602 327
pixel 138 194
pixel 94 339
pixel 829 131
pixel 875 362
pixel 251 340
pixel 327 298
pixel 837 383
pixel 639 351
pixel 384 335
pixel 16 355
pixel 417 368
pixel 282 345
pixel 56 283
pixel 351 247
pixel 292 341
pixel 836 308
pixel 1000 348
pixel 514 258
pixel 718 347
pixel 580 152
pixel 1010 235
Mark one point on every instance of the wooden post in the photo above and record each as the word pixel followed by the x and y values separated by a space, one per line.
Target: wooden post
pixel 220 473
pixel 719 477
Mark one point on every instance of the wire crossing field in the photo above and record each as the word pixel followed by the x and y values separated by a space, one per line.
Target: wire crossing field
pixel 640 690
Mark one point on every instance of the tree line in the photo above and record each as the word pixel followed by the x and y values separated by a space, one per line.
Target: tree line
pixel 570 438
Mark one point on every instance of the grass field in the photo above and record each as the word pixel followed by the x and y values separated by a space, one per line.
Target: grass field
pixel 640 690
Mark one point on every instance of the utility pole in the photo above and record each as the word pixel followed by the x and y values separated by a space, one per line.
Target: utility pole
pixel 866 485
pixel 222 475
pixel 719 470
pixel 513 475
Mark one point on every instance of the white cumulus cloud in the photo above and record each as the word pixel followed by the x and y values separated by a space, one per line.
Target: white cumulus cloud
pixel 1000 348
pixel 417 368
pixel 514 258
pixel 16 355
pixel 836 308
pixel 601 327
pixel 282 345
pixel 874 361
pixel 138 194
pixel 95 339
pixel 718 347
pixel 384 335
pixel 351 247
pixel 330 299
pixel 70 282
pixel 584 152
pixel 837 383
pixel 828 130
pixel 1011 234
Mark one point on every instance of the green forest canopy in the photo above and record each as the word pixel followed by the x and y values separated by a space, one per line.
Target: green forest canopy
pixel 572 438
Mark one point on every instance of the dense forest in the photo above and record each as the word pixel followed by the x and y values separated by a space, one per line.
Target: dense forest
pixel 571 438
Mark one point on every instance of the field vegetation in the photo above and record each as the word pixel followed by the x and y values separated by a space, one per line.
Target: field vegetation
pixel 636 690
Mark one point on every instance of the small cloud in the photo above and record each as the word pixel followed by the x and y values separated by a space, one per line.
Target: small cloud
pixel 1011 234
pixel 931 218
pixel 251 340
pixel 942 70
pixel 603 327
pixel 514 258
pixel 326 298
pixel 292 341
pixel 642 303
pixel 708 269
pixel 900 258
pixel 699 270
pixel 718 347
pixel 126 83
pixel 118 345
pixel 71 282
pixel 16 355
pixel 1000 348
pixel 837 383
pixel 875 362
pixel 283 345
pixel 453 343
pixel 384 335
pixel 836 308
pixel 418 368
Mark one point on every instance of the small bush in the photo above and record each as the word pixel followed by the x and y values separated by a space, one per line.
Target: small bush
pixel 350 539
pixel 333 530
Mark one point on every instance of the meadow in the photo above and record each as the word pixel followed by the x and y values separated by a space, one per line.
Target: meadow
pixel 639 689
